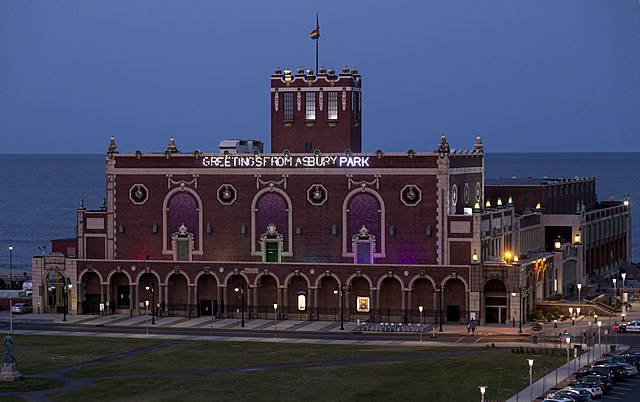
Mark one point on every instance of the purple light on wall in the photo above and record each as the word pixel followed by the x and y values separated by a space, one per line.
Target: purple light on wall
pixel 363 210
pixel 182 209
pixel 272 208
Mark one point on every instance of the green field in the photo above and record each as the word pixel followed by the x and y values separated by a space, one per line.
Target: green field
pixel 139 370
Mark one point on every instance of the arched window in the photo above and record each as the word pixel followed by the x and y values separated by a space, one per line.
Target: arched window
pixel 183 210
pixel 182 224
pixel 365 219
pixel 272 226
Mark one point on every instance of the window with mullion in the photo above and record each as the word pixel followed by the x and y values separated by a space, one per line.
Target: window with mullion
pixel 310 106
pixel 332 108
pixel 288 106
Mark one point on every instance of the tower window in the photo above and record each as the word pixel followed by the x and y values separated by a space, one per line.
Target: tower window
pixel 355 106
pixel 310 106
pixel 332 108
pixel 287 108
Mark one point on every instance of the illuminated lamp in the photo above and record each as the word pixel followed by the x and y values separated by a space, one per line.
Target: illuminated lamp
pixel 510 201
pixel 507 255
pixel 499 203
pixel 538 207
pixel 287 76
pixel 557 244
pixel 474 257
pixel 576 238
pixel 626 203
pixel 487 204
pixel 476 207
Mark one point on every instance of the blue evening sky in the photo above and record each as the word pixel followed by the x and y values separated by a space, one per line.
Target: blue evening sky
pixel 534 75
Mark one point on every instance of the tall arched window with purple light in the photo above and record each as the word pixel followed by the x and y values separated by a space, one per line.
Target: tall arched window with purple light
pixel 272 226
pixel 364 217
pixel 182 218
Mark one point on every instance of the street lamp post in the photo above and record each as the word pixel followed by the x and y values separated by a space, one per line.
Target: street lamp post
pixel 518 291
pixel 153 302
pixel 599 339
pixel 568 366
pixel 241 290
pixel 440 309
pixel 420 308
pixel 275 320
pixel 146 303
pixel 624 298
pixel 483 389
pixel 579 289
pixel 65 299
pixel 10 267
pixel 615 289
pixel 531 376
pixel 340 289
pixel 573 322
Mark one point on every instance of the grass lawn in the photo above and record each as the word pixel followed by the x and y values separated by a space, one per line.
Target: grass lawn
pixel 242 370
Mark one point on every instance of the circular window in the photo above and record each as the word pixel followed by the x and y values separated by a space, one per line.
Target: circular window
pixel 454 194
pixel 466 194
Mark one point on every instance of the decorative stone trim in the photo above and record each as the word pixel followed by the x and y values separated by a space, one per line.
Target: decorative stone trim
pixel 227 194
pixel 138 194
pixel 317 194
pixel 411 195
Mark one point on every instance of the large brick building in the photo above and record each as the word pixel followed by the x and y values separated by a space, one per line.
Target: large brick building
pixel 313 226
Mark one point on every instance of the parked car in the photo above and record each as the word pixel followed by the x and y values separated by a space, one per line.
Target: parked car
pixel 631 370
pixel 614 371
pixel 21 308
pixel 604 382
pixel 632 359
pixel 593 389
pixel 576 395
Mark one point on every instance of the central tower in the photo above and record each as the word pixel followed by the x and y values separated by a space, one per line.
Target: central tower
pixel 322 111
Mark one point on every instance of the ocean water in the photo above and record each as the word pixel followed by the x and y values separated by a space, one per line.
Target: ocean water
pixel 39 194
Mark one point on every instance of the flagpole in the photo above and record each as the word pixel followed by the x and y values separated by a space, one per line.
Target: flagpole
pixel 317 40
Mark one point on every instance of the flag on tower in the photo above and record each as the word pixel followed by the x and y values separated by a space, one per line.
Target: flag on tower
pixel 315 34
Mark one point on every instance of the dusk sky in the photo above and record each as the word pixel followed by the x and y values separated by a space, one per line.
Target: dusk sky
pixel 527 76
